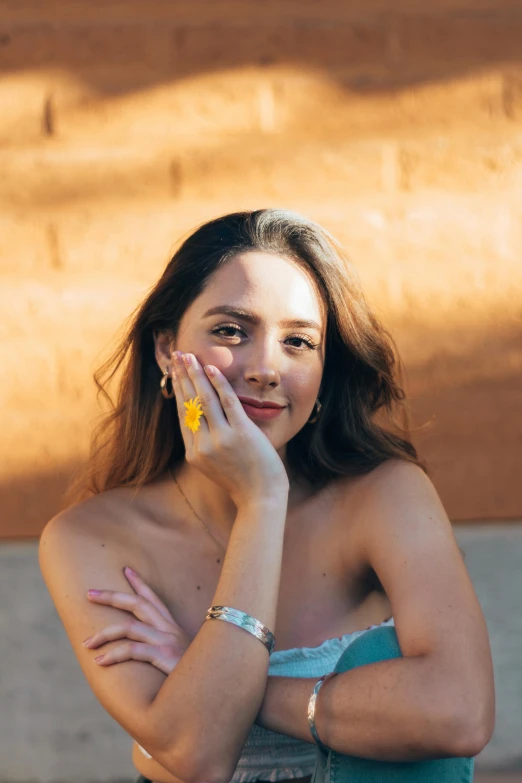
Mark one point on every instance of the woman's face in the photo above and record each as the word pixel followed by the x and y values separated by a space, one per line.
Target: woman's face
pixel 262 355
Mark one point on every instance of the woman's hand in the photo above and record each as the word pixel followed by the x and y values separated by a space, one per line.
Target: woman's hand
pixel 150 635
pixel 228 447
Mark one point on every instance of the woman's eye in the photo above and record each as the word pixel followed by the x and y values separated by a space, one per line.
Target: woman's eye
pixel 307 342
pixel 220 331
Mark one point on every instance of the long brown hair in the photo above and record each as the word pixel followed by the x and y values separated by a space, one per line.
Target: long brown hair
pixel 363 420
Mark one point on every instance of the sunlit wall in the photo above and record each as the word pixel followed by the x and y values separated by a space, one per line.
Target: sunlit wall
pixel 399 128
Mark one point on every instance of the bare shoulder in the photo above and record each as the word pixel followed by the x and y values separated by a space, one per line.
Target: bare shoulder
pixel 400 532
pixel 92 516
pixel 395 474
pixel 396 489
pixel 107 521
pixel 82 547
pixel 85 547
pixel 398 501
pixel 403 533
pixel 393 488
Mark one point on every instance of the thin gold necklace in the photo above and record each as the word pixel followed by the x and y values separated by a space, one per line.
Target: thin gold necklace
pixel 195 512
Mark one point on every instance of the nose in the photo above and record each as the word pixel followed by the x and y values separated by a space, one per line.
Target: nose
pixel 261 365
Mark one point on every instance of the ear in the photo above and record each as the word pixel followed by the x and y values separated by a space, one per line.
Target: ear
pixel 164 347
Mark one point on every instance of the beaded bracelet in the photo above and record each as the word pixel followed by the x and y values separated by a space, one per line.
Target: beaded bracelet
pixel 245 621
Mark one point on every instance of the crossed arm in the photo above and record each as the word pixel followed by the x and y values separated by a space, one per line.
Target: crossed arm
pixel 437 700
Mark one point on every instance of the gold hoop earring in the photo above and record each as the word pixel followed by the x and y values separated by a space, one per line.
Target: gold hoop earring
pixel 163 386
pixel 314 418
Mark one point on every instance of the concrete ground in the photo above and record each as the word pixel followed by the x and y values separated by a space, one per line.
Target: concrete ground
pixel 499 778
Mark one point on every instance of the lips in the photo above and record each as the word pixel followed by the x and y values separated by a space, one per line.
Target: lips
pixel 261 414
pixel 259 403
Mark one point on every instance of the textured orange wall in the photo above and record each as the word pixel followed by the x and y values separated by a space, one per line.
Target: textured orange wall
pixel 125 124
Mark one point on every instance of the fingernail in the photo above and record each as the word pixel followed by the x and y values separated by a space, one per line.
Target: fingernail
pixel 94 592
pixel 177 356
pixel 210 370
pixel 99 658
pixel 86 641
pixel 187 358
pixel 129 570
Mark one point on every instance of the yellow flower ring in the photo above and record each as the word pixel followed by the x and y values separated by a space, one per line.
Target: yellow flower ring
pixel 193 414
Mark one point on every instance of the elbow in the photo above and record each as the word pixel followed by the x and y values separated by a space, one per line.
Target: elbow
pixel 185 757
pixel 473 731
pixel 193 776
pixel 190 767
pixel 473 739
pixel 203 777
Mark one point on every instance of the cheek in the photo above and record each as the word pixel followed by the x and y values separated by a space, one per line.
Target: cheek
pixel 219 355
pixel 303 387
pixel 206 353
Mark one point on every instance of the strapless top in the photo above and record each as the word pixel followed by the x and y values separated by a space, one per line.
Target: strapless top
pixel 268 755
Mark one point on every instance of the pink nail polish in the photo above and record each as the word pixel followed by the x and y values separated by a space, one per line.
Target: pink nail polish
pixel 94 592
pixel 86 641
pixel 187 358
pixel 99 658
pixel 129 570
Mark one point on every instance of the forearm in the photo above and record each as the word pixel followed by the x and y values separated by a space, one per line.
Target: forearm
pixel 216 689
pixel 388 711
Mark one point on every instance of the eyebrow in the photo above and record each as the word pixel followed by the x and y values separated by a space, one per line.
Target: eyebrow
pixel 246 315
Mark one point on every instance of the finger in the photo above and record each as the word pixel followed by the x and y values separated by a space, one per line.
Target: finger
pixel 208 395
pixel 135 631
pixel 134 651
pixel 185 391
pixel 146 592
pixel 230 402
pixel 187 435
pixel 186 385
pixel 139 607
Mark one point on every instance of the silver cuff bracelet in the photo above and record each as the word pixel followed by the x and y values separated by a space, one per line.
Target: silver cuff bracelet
pixel 311 710
pixel 243 620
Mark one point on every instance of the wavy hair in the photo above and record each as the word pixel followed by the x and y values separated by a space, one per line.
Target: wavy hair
pixel 364 418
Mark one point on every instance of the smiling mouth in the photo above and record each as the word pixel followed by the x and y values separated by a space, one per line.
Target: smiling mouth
pixel 261 414
pixel 259 403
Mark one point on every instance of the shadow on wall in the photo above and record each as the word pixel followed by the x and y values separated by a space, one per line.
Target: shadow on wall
pixel 461 394
pixel 367 48
pixel 305 69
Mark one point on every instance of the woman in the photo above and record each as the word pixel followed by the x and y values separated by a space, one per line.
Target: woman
pixel 253 461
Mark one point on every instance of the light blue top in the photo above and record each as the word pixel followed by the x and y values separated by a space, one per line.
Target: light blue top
pixel 268 755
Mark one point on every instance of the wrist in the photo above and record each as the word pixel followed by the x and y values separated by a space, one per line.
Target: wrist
pixel 269 499
pixel 319 739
